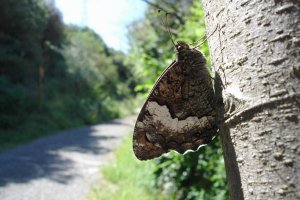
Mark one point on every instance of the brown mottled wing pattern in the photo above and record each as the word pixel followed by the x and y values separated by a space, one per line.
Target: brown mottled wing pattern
pixel 179 113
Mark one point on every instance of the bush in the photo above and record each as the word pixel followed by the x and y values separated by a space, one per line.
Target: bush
pixel 12 103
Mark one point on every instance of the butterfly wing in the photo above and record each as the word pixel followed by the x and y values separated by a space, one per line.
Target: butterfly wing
pixel 179 112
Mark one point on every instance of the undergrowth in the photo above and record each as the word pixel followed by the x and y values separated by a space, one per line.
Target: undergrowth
pixel 54 117
pixel 127 178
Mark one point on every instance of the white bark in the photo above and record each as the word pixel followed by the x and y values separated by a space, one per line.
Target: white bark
pixel 256 52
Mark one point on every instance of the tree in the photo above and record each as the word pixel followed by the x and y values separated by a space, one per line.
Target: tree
pixel 21 27
pixel 53 76
pixel 255 52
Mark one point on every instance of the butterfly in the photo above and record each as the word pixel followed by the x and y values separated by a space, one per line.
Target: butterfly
pixel 179 113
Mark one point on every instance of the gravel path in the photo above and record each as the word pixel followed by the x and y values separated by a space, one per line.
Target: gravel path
pixel 63 166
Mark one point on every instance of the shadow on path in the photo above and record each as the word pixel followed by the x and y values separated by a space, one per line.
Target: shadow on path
pixel 63 156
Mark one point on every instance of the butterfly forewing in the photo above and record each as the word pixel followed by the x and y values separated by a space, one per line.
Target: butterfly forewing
pixel 179 112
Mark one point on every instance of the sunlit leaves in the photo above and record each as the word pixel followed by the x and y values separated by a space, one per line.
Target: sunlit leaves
pixel 54 76
pixel 199 175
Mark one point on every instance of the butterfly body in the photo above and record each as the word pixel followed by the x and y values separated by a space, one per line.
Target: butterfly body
pixel 179 113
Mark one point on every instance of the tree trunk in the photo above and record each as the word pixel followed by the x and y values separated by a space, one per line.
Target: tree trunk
pixel 256 52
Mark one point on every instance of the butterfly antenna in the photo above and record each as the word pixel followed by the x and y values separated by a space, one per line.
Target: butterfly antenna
pixel 198 40
pixel 168 28
pixel 165 24
pixel 206 38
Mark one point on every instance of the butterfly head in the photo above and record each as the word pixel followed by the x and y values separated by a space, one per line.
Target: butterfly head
pixel 181 46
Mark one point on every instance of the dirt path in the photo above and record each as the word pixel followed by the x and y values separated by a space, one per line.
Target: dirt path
pixel 62 166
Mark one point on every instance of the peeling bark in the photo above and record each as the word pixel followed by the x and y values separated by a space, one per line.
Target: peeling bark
pixel 256 53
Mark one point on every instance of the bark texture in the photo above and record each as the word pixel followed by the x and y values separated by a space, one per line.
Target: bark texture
pixel 256 52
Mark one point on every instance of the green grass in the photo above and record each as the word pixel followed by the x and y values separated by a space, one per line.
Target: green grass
pixel 36 126
pixel 127 178
pixel 55 116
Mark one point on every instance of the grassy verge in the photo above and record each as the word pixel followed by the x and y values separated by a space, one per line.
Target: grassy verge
pixel 54 118
pixel 127 178
pixel 35 126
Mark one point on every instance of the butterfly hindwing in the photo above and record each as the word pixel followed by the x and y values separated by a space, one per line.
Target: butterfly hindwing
pixel 179 112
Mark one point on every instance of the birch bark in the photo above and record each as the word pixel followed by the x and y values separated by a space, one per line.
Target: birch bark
pixel 256 52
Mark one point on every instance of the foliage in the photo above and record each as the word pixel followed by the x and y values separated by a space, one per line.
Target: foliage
pixel 53 76
pixel 198 175
pixel 10 93
pixel 19 52
pixel 127 178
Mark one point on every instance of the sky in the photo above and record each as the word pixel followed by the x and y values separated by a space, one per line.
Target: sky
pixel 108 18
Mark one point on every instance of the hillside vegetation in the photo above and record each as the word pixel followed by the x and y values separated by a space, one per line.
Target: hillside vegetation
pixel 54 76
pixel 196 175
